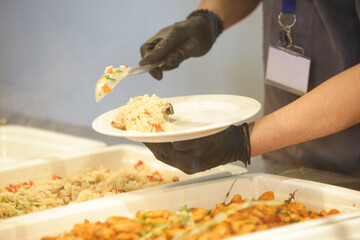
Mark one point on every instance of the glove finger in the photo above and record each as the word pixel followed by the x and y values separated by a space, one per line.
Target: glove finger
pixel 182 52
pixel 185 161
pixel 159 51
pixel 156 73
pixel 199 143
pixel 195 161
pixel 166 154
pixel 148 46
pixel 146 50
pixel 188 48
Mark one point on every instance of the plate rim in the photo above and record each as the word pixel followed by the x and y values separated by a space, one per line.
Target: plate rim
pixel 183 133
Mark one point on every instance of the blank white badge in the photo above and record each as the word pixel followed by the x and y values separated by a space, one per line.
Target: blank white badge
pixel 288 71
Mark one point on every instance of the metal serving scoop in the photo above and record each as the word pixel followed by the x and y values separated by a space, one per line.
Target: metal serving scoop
pixel 112 76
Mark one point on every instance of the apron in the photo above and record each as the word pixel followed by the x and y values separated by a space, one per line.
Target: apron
pixel 329 33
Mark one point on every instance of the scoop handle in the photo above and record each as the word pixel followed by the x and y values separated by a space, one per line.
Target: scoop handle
pixel 145 68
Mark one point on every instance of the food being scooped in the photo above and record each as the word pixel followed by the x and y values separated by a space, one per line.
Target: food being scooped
pixel 112 76
pixel 108 81
pixel 239 217
pixel 144 114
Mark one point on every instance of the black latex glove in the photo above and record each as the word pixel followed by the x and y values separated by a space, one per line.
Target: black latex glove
pixel 200 154
pixel 190 38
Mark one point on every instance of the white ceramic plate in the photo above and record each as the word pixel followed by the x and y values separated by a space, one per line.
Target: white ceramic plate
pixel 195 116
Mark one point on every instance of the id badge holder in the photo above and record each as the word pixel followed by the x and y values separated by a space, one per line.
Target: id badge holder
pixel 288 70
pixel 287 67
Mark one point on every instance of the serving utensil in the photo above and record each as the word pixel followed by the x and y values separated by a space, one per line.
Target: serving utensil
pixel 112 76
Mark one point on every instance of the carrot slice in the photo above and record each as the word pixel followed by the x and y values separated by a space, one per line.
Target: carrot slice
pixel 106 88
pixel 157 127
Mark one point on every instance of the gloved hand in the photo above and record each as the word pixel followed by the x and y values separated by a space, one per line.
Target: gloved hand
pixel 200 154
pixel 192 37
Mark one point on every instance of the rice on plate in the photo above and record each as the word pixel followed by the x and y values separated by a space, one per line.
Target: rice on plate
pixel 144 114
pixel 83 185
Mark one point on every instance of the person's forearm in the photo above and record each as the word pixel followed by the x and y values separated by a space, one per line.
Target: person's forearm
pixel 230 11
pixel 331 107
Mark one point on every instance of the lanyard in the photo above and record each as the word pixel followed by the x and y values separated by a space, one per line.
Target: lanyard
pixel 288 6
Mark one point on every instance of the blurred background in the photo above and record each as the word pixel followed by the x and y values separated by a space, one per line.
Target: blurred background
pixel 53 52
